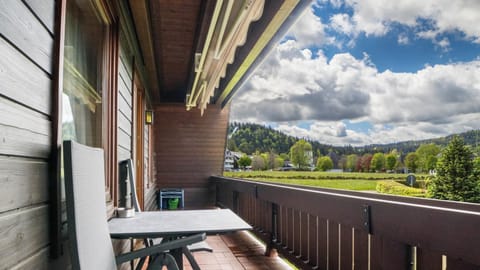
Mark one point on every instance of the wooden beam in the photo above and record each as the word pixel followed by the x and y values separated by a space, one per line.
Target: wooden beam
pixel 141 19
pixel 128 27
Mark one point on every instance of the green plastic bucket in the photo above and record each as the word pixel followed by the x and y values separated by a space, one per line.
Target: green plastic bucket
pixel 173 203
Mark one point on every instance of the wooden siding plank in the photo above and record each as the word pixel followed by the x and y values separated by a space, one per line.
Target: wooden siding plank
pixel 203 146
pixel 197 147
pixel 24 30
pixel 20 142
pixel 45 10
pixel 38 261
pixel 322 238
pixel 23 132
pixel 376 252
pixel 151 199
pixel 198 198
pixel 333 245
pixel 282 225
pixel 15 115
pixel 124 124
pixel 312 241
pixel 124 108
pixel 388 254
pixel 126 57
pixel 304 236
pixel 296 233
pixel 290 231
pixel 124 140
pixel 125 93
pixel 123 153
pixel 395 255
pixel 22 233
pixel 125 112
pixel 23 182
pixel 360 256
pixel 125 77
pixel 124 115
pixel 453 264
pixel 428 259
pixel 346 261
pixel 23 81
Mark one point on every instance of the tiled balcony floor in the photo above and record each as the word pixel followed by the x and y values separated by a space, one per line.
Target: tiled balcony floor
pixel 236 251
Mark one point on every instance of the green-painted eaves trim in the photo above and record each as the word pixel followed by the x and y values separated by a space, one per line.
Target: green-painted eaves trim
pixel 285 10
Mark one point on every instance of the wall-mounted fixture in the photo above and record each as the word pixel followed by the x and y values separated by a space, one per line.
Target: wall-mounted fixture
pixel 148 117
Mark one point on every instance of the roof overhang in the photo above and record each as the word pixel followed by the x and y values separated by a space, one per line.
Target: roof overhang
pixel 201 52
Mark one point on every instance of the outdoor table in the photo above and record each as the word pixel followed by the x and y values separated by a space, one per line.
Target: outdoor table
pixel 177 223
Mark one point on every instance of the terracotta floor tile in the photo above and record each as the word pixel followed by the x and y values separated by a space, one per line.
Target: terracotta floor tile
pixel 236 251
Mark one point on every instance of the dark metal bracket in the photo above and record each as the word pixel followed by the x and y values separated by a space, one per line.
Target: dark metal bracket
pixel 366 213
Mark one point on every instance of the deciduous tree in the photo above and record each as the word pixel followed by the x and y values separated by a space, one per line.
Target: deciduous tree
pixel 244 161
pixel 427 156
pixel 390 161
pixel 279 162
pixel 378 162
pixel 300 152
pixel 258 163
pixel 352 162
pixel 411 161
pixel 324 163
pixel 366 161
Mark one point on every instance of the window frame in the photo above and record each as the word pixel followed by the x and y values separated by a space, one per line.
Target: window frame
pixel 105 11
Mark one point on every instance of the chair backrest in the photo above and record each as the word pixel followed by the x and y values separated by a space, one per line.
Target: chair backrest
pixel 90 242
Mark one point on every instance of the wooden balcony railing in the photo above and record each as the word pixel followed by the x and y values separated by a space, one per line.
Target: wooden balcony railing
pixel 328 229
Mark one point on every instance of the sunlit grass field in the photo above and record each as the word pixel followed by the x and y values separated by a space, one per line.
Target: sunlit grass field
pixel 337 180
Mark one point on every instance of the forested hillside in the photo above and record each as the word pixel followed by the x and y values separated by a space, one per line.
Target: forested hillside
pixel 250 138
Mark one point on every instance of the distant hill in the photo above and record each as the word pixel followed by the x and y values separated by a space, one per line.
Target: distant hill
pixel 249 138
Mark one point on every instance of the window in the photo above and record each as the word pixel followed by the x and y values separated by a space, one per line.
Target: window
pixel 82 99
pixel 89 81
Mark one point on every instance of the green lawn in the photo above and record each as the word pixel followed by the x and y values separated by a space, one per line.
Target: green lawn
pixel 339 184
pixel 349 181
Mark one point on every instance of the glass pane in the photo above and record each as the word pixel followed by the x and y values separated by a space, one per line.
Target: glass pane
pixel 82 80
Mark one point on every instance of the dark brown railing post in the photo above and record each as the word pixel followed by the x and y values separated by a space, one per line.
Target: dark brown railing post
pixel 361 231
pixel 270 251
pixel 235 206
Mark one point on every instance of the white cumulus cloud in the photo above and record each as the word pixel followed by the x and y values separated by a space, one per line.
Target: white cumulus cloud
pixel 309 30
pixel 375 17
pixel 298 83
pixel 295 84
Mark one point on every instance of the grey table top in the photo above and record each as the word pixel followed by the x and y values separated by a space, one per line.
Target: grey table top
pixel 178 222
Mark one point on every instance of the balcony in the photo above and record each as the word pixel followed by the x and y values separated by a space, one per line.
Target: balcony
pixel 325 229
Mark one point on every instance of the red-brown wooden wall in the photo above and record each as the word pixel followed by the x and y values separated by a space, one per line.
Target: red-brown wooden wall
pixel 188 149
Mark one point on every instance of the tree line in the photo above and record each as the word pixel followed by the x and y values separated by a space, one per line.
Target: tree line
pixel 456 166
pixel 270 148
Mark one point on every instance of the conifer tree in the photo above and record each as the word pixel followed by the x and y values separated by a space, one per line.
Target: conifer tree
pixel 456 178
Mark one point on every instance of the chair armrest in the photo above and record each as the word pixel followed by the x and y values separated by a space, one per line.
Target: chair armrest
pixel 179 243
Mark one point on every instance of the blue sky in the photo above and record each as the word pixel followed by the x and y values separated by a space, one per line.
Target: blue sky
pixel 371 71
